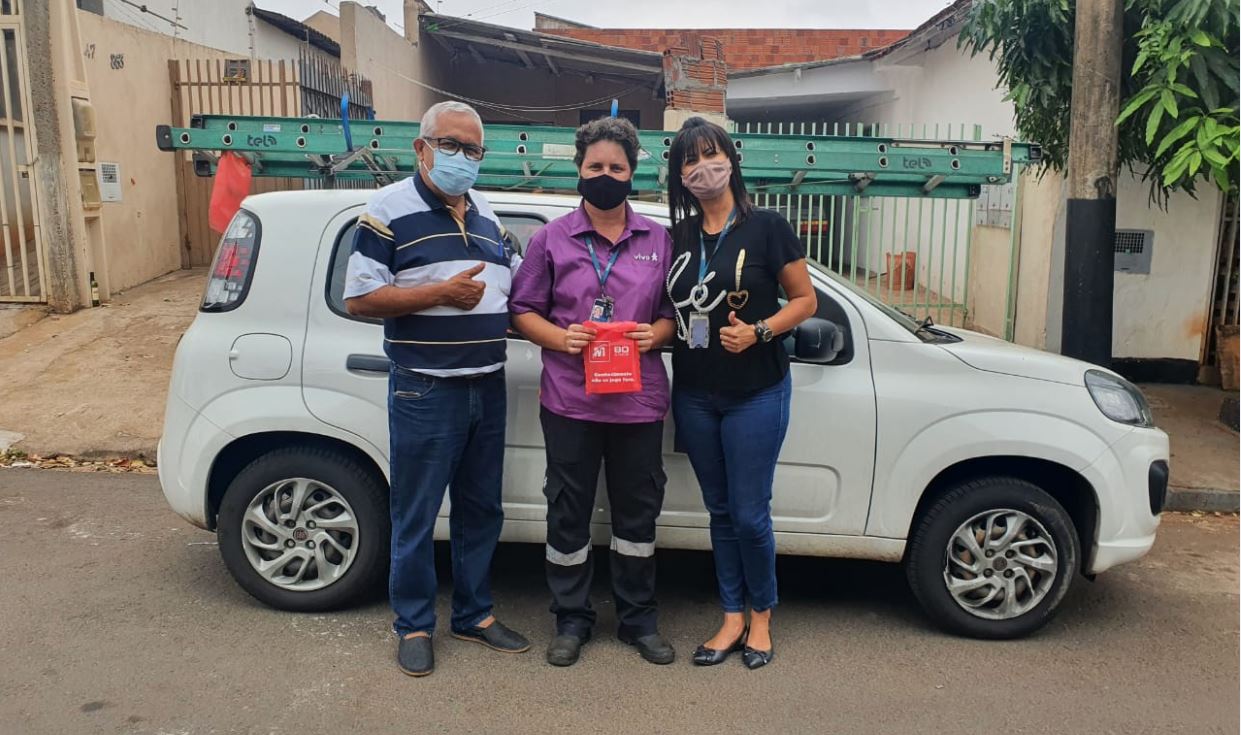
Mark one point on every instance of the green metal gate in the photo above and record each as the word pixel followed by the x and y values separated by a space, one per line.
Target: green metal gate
pixel 911 252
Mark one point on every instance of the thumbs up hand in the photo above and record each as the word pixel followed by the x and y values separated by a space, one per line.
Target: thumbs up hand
pixel 738 336
pixel 462 290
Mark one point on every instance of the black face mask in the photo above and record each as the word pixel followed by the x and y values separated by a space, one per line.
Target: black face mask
pixel 604 191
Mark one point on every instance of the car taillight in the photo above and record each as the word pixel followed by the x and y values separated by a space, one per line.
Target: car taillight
pixel 234 264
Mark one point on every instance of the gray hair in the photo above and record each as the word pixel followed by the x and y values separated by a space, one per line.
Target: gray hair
pixel 430 118
pixel 616 129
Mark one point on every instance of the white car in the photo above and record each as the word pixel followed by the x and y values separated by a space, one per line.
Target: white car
pixel 994 473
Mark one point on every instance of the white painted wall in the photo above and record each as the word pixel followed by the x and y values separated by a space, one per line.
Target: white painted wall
pixel 1164 314
pixel 272 43
pixel 943 86
pixel 1156 316
pixel 218 24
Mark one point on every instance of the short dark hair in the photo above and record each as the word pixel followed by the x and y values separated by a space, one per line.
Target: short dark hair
pixel 616 129
pixel 697 135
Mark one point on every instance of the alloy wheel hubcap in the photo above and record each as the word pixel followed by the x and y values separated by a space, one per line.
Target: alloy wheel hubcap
pixel 1000 564
pixel 300 534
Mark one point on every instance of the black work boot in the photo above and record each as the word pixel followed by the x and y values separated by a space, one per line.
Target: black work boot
pixel 565 649
pixel 653 647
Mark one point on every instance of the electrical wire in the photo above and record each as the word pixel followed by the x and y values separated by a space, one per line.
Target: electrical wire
pixel 135 19
pixel 515 108
pixel 517 9
pixel 144 9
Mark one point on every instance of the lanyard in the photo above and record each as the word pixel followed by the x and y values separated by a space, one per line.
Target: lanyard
pixel 703 261
pixel 602 273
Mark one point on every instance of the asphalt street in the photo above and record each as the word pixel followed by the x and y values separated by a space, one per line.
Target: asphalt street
pixel 117 617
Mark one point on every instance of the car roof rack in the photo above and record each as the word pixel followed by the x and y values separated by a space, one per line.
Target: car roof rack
pixel 540 158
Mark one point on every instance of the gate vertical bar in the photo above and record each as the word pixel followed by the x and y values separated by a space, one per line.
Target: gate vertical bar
pixel 800 197
pixel 818 217
pixel 868 221
pixel 942 206
pixel 4 198
pixel 956 244
pixel 853 243
pixel 831 219
pixel 879 254
pixel 1014 256
pixel 11 146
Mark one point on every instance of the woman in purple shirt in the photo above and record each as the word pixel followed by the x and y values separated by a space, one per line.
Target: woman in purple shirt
pixel 602 258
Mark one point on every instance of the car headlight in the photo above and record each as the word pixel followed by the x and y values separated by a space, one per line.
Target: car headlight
pixel 1118 399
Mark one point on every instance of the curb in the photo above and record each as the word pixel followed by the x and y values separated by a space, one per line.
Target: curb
pixel 1204 499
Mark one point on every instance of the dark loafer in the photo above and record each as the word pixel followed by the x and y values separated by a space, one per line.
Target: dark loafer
pixel 416 656
pixel 756 659
pixel 704 656
pixel 496 637
pixel 652 646
pixel 565 649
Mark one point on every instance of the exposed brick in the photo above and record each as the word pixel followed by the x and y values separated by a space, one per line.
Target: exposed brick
pixel 743 48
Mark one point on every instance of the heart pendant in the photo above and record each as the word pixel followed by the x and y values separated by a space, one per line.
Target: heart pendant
pixel 738 299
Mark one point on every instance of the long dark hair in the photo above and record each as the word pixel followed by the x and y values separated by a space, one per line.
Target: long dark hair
pixel 698 135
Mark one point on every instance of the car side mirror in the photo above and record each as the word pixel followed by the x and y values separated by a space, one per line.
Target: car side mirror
pixel 818 341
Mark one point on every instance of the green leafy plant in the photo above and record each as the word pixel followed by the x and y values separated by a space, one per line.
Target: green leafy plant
pixel 1178 123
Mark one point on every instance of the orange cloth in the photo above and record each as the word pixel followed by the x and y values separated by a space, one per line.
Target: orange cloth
pixel 232 185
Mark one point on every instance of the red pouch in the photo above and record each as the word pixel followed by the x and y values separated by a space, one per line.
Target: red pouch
pixel 612 360
pixel 231 186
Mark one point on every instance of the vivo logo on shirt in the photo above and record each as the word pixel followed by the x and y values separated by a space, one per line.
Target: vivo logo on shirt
pixel 648 257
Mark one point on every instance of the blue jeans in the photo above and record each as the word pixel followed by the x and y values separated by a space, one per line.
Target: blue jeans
pixel 445 432
pixel 733 441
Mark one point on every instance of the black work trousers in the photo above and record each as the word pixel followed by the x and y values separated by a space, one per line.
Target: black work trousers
pixel 632 458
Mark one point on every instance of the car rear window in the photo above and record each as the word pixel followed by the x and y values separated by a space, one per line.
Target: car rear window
pixel 521 227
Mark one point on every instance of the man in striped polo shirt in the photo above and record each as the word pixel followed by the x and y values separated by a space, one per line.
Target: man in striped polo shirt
pixel 430 260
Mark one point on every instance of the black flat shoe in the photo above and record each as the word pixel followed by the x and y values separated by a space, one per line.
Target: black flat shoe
pixel 756 659
pixel 496 637
pixel 565 649
pixel 704 656
pixel 415 656
pixel 653 647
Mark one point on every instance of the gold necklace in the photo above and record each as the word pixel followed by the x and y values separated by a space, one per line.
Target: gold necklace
pixel 739 298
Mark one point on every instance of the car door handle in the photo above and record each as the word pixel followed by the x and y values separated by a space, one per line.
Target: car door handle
pixel 367 363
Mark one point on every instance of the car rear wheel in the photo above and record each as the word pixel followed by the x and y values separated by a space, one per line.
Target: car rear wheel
pixel 992 558
pixel 305 529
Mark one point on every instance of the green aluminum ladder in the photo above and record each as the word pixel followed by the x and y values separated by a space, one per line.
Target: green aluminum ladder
pixel 541 158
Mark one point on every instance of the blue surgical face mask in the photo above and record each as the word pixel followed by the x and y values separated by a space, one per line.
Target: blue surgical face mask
pixel 453 173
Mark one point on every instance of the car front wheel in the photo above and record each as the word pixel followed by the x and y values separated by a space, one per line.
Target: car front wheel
pixel 992 558
pixel 305 529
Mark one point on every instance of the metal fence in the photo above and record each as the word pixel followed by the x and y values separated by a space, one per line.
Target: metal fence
pixel 325 83
pixel 22 266
pixel 912 253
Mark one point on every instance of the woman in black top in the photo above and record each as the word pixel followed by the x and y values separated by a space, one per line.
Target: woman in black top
pixel 731 385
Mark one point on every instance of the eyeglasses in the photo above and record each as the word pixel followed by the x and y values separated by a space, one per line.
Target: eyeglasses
pixel 452 146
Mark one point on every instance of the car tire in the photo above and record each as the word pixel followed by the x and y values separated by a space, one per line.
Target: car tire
pixel 338 491
pixel 1029 573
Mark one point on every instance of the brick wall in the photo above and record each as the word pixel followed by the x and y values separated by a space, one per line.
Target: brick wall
pixel 747 48
pixel 695 75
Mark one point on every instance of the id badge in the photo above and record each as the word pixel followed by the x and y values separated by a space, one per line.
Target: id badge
pixel 699 331
pixel 602 309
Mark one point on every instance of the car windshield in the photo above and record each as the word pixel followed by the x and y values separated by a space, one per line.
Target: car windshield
pixel 898 316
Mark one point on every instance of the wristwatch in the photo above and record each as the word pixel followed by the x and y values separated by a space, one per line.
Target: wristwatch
pixel 762 331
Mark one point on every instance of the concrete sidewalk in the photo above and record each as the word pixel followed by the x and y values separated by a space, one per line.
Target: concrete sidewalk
pixel 1204 451
pixel 93 384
